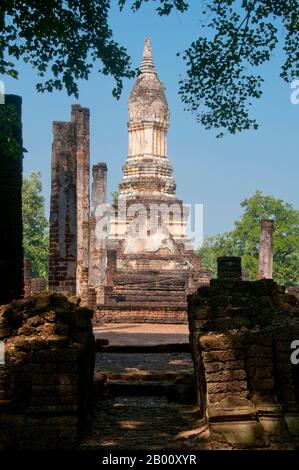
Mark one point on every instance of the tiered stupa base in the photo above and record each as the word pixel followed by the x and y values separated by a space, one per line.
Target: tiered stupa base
pixel 145 297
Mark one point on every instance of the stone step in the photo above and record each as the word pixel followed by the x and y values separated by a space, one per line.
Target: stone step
pixel 162 276
pixel 168 374
pixel 150 282
pixel 153 376
pixel 182 390
pixel 155 348
pixel 144 294
pixel 136 303
pixel 149 292
pixel 117 313
pixel 150 288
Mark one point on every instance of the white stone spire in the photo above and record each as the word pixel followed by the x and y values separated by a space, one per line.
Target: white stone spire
pixel 148 171
pixel 147 64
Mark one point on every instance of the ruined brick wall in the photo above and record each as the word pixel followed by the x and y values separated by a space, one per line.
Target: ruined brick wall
pixel 32 285
pixel 47 377
pixel 241 334
pixel 11 233
pixel 294 290
pixel 38 284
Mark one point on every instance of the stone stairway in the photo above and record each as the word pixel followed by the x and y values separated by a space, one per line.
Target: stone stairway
pixel 145 400
pixel 146 296
pixel 148 289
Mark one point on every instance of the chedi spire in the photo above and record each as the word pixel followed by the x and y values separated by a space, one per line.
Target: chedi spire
pixel 147 64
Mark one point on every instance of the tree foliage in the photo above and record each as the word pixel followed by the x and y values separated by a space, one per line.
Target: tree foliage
pixel 243 240
pixel 35 224
pixel 63 40
pixel 8 121
pixel 236 38
pixel 223 71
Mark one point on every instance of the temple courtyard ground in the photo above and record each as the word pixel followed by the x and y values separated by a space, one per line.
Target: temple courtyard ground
pixel 145 391
pixel 142 334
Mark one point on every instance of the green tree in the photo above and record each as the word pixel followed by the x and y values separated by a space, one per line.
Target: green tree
pixel 64 40
pixel 35 225
pixel 243 240
pixel 223 63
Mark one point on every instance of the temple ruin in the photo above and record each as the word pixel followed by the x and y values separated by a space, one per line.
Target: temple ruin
pixel 132 261
pixel 139 265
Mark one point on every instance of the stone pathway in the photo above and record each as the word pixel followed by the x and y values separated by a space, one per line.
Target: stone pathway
pixel 144 422
pixel 140 403
pixel 144 400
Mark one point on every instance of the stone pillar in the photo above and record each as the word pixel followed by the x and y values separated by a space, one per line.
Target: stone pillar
pixel 27 277
pixel 229 267
pixel 265 270
pixel 63 212
pixel 97 263
pixel 11 233
pixel 80 119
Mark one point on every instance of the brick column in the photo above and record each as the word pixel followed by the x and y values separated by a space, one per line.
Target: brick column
pixel 80 119
pixel 265 270
pixel 229 267
pixel 11 233
pixel 27 277
pixel 63 212
pixel 97 262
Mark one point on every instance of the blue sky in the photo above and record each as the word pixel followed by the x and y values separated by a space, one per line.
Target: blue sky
pixel 217 173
